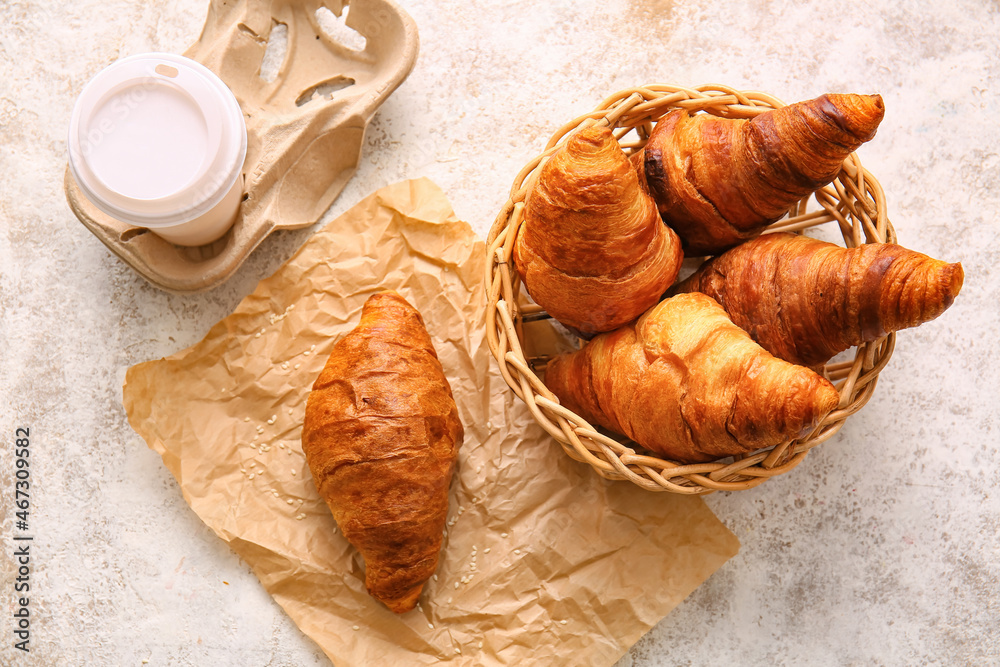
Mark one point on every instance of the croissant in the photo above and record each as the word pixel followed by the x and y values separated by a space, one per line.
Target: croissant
pixel 592 250
pixel 805 300
pixel 719 181
pixel 685 382
pixel 381 437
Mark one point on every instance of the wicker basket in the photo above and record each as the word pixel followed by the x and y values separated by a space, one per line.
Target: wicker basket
pixel 855 202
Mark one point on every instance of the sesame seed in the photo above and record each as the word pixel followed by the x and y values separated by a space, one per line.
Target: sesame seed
pixel 450 599
pixel 256 438
pixel 517 551
pixel 306 353
pixel 243 471
pixel 300 517
pixel 274 418
pixel 290 501
pixel 430 625
pixel 246 419
pixel 289 411
pixel 291 306
pixel 252 464
pixel 503 535
pixel 256 335
pixel 294 473
pixel 456 584
pixel 486 550
pixel 457 650
pixel 288 451
pixel 263 330
pixel 296 367
pixel 562 622
pixel 312 347
pixel 356 627
pixel 276 494
pixel 435 577
pixel 281 445
pixel 252 476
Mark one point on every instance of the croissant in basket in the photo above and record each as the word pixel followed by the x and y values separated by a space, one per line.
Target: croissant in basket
pixel 687 383
pixel 805 300
pixel 592 250
pixel 381 436
pixel 719 181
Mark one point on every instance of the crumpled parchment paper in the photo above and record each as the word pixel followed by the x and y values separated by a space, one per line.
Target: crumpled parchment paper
pixel 544 562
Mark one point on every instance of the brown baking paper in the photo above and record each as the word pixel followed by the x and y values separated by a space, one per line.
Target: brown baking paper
pixel 544 562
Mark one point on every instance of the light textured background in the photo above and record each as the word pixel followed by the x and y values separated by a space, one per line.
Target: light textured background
pixel 880 549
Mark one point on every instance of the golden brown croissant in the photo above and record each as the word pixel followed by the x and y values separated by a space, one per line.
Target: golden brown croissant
pixel 805 300
pixel 719 181
pixel 381 436
pixel 593 251
pixel 686 382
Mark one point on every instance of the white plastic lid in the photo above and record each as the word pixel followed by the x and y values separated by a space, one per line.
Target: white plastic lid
pixel 156 140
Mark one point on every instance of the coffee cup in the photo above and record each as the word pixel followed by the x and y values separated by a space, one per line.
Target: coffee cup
pixel 158 141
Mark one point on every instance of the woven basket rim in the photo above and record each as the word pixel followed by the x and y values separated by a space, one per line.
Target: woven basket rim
pixel 854 202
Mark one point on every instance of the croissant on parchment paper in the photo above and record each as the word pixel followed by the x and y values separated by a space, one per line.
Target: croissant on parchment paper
pixel 592 250
pixel 719 181
pixel 805 300
pixel 381 437
pixel 685 382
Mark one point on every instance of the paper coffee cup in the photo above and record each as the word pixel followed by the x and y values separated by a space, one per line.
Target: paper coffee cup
pixel 158 141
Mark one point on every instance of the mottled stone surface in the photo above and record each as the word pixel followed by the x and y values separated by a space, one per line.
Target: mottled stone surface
pixel 881 549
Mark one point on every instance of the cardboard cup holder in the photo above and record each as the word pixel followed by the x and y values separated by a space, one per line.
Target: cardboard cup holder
pixel 305 128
